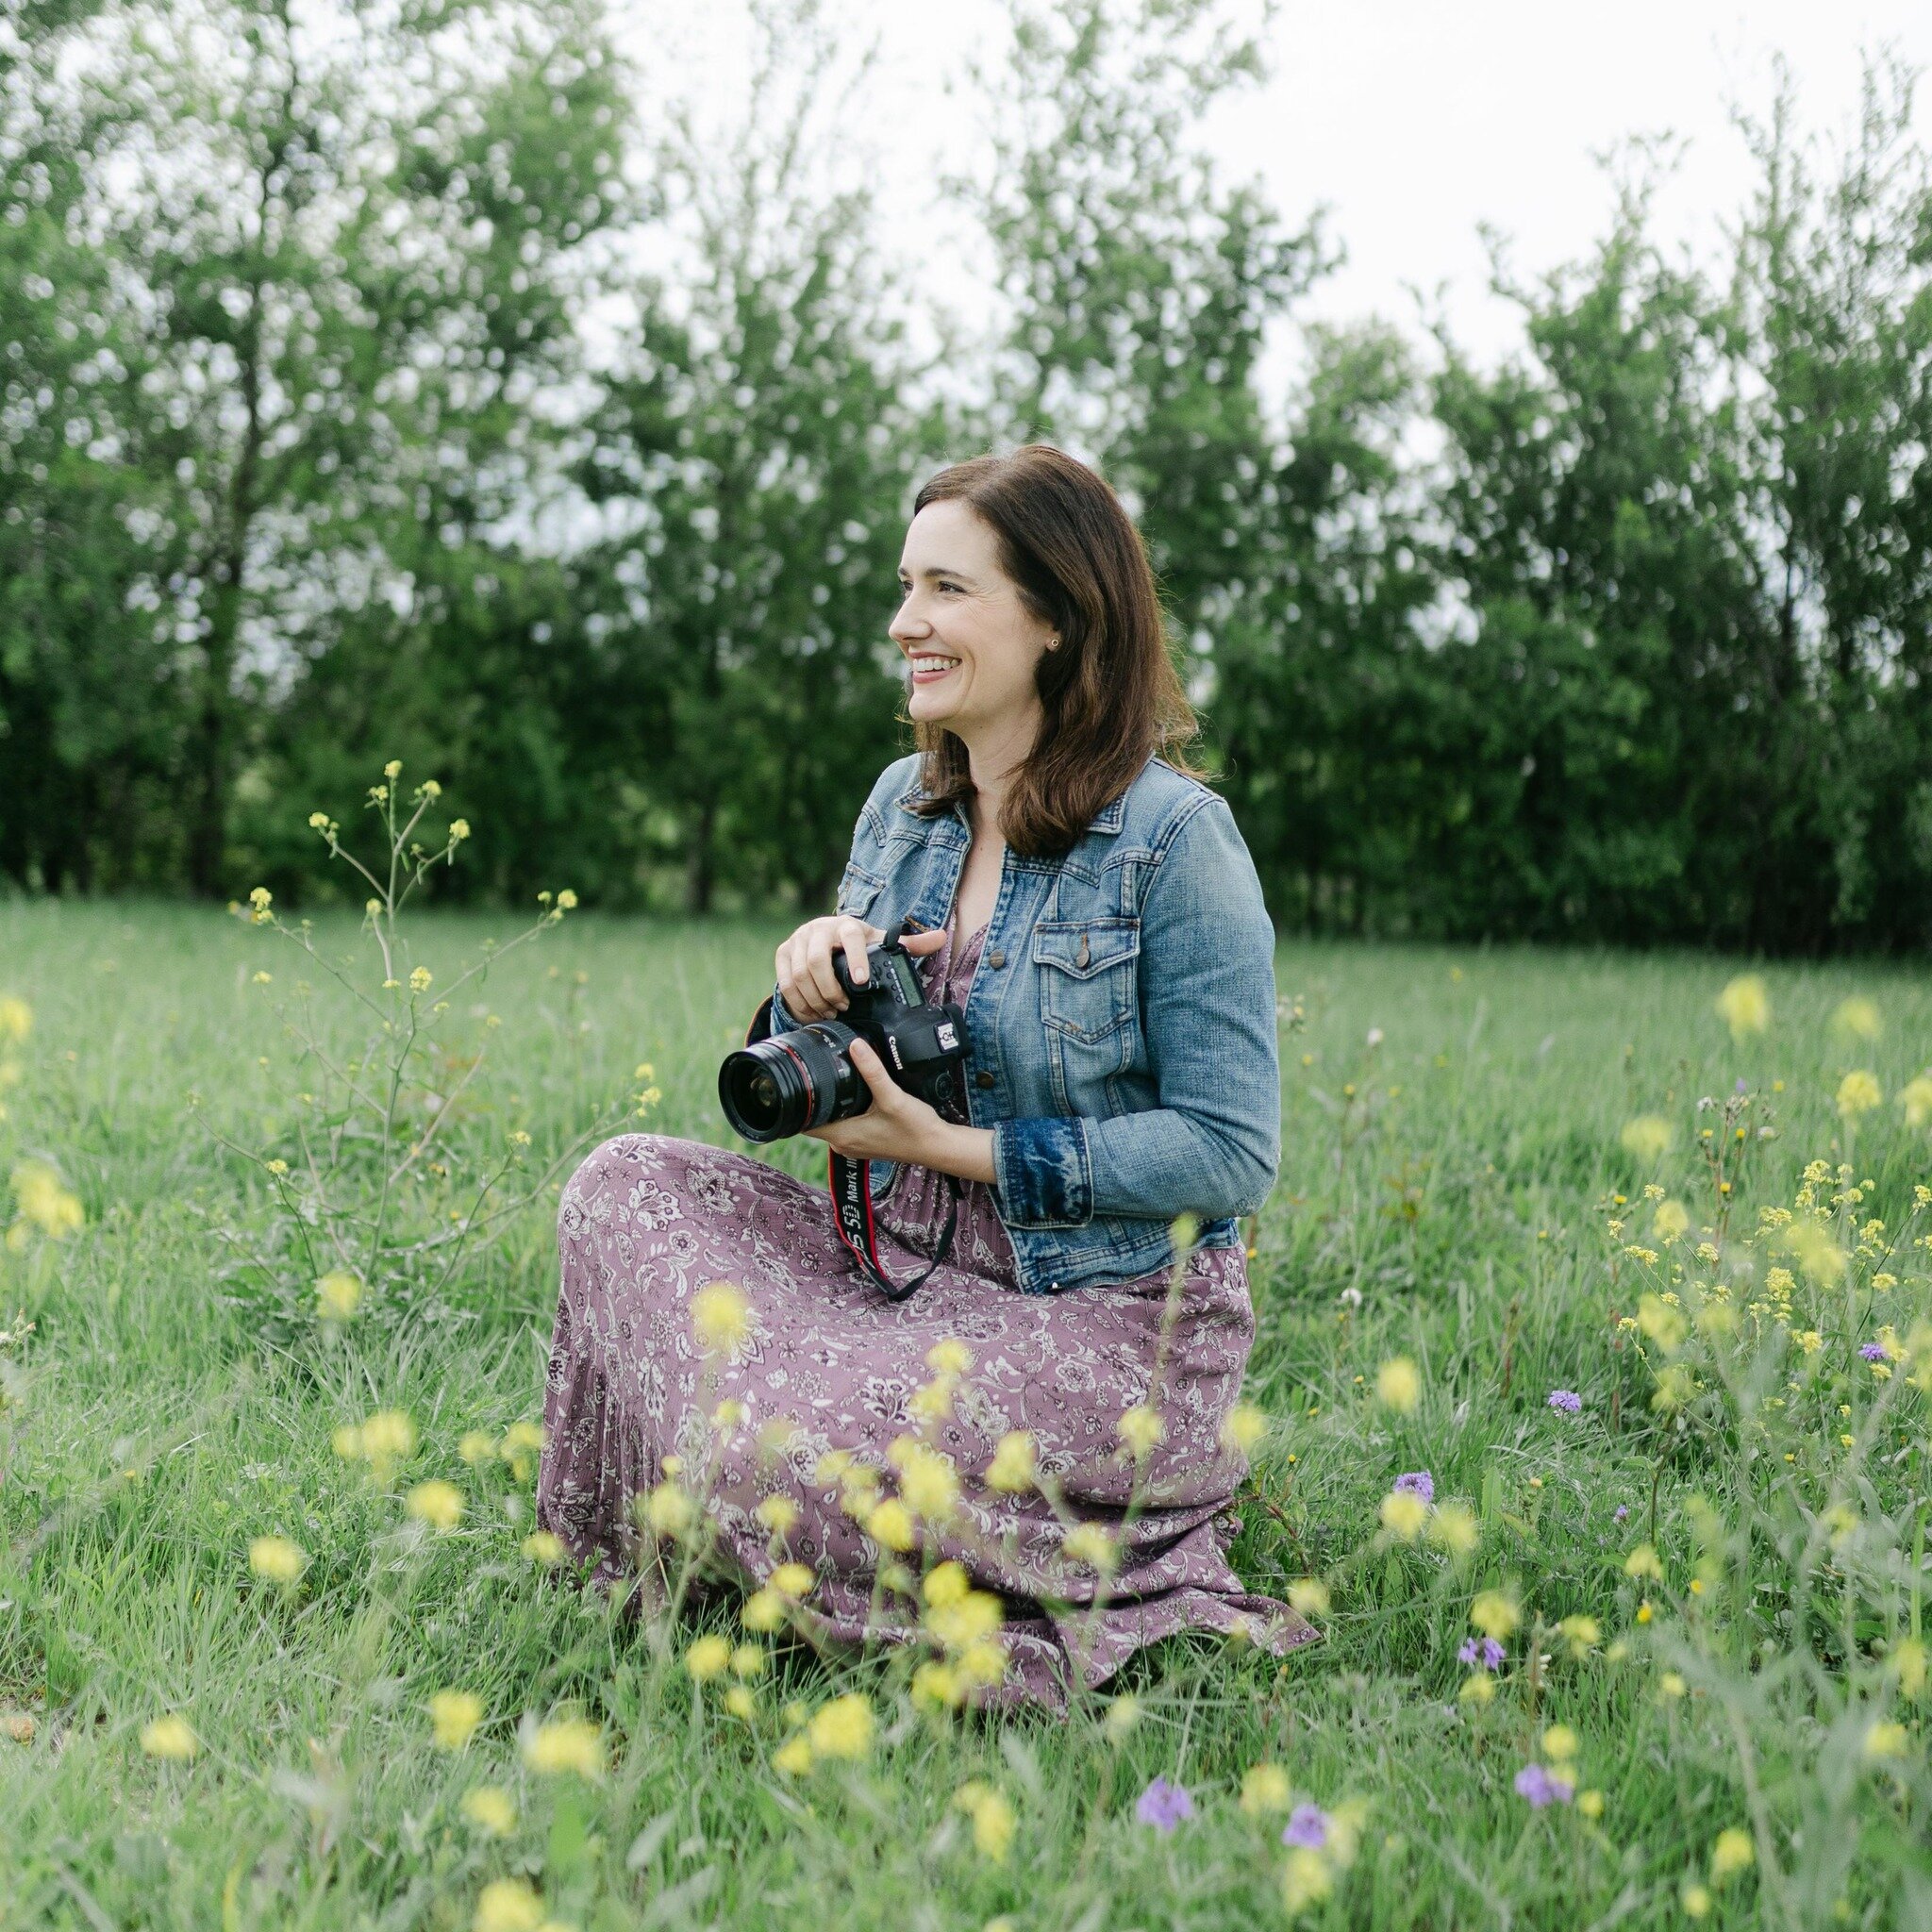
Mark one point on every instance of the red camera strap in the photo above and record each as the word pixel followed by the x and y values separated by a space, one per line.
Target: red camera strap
pixel 852 1212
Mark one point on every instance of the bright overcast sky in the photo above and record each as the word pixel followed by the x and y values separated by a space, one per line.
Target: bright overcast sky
pixel 1413 123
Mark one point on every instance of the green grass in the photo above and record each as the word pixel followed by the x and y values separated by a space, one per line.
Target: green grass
pixel 161 1414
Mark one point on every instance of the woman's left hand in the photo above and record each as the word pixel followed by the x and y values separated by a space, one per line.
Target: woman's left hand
pixel 899 1125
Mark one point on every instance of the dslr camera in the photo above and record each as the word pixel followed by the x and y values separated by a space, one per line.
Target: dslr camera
pixel 805 1078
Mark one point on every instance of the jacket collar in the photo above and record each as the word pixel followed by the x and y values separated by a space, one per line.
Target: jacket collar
pixel 1108 819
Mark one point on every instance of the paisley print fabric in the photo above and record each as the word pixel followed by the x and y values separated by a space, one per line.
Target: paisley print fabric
pixel 830 1364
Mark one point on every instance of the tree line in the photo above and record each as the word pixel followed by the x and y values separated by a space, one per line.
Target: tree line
pixel 419 379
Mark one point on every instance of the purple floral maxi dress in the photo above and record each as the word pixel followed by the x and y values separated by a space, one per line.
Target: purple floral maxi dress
pixel 835 1401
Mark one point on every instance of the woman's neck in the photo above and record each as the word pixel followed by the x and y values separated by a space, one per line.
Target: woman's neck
pixel 992 755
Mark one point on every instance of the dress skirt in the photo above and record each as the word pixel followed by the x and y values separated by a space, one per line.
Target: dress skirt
pixel 990 1417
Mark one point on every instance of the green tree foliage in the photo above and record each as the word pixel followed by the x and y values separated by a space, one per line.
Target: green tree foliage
pixel 756 455
pixel 375 384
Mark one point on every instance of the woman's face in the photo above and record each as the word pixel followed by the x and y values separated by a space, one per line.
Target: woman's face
pixel 971 643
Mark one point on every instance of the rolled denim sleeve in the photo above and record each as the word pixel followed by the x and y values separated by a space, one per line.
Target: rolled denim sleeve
pixel 1212 1146
pixel 1043 1171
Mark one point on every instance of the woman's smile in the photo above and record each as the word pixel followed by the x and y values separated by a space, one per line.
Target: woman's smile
pixel 929 667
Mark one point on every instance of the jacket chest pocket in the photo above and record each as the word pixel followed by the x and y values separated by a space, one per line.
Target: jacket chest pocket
pixel 1086 974
pixel 858 889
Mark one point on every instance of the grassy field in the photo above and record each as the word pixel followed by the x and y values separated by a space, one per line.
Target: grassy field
pixel 1457 1191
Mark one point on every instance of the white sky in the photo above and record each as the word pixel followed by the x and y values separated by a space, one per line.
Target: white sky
pixel 1413 123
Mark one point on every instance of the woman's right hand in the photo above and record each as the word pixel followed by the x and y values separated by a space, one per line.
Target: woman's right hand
pixel 808 983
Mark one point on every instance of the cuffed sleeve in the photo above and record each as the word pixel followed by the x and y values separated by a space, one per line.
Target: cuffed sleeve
pixel 782 1021
pixel 1043 1172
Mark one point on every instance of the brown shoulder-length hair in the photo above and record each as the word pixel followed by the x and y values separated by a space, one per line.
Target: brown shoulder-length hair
pixel 1110 689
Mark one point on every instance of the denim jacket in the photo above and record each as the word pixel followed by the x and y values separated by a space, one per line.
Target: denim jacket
pixel 1120 1028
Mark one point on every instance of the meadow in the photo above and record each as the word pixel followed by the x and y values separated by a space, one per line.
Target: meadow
pixel 1651 1655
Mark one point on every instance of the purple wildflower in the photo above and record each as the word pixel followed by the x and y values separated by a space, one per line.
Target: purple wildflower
pixel 1306 1826
pixel 1740 1086
pixel 1536 1784
pixel 1418 1482
pixel 1484 1652
pixel 1620 1513
pixel 1566 1399
pixel 1163 1806
pixel 1874 1352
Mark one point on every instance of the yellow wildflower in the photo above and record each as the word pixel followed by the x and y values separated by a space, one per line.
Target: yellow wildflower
pixel 1744 1006
pixel 453 1716
pixel 1591 1804
pixel 1306 1879
pixel 777 1513
pixel 1453 1527
pixel 1309 1595
pixel 1560 1743
pixel 420 979
pixel 508 1905
pixel 1644 1562
pixel 1733 1852
pixel 1404 1513
pixel 1858 1016
pixel 338 1294
pixel 171 1736
pixel 1858 1092
pixel 1696 1902
pixel 1646 1137
pixel 791 1579
pixel 1494 1614
pixel 1086 1542
pixel 764 1611
pixel 1661 1322
pixel 1265 1789
pixel 544 1546
pixel 1671 1221
pixel 44 1202
pixel 1915 1097
pixel 793 1756
pixel 1478 1688
pixel 891 1524
pixel 436 1503
pixel 16 1018
pixel 843 1727
pixel 1887 1739
pixel 1139 1428
pixel 708 1656
pixel 748 1660
pixel 277 1558
pixel 489 1809
pixel 669 1508
pixel 1583 1633
pixel 947 1583
pixel 1243 1428
pixel 1122 1714
pixel 1011 1470
pixel 566 1744
pixel 928 1483
pixel 1399 1384
pixel 720 1317
pixel 993 1819
pixel 1673 1685
pixel 950 1357
pixel 477 1445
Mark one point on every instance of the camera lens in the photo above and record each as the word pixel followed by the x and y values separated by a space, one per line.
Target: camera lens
pixel 781 1087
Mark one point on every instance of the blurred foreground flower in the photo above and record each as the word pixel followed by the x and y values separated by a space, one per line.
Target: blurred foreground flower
pixel 992 1819
pixel 277 1558
pixel 1858 1093
pixel 1542 1787
pixel 453 1716
pixel 1744 1006
pixel 843 1727
pixel 436 1503
pixel 16 1019
pixel 44 1204
pixel 171 1736
pixel 492 1809
pixel 1163 1806
pixel 337 1295
pixel 1398 1383
pixel 1646 1138
pixel 508 1905
pixel 566 1744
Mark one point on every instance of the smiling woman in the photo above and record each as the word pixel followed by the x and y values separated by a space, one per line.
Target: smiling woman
pixel 1052 1414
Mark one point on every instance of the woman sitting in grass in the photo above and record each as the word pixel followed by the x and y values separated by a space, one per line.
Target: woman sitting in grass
pixel 1028 1462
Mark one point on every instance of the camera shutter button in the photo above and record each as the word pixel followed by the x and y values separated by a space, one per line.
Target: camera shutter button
pixel 984 1077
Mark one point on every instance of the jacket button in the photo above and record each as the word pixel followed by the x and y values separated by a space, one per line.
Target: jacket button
pixel 984 1077
pixel 995 958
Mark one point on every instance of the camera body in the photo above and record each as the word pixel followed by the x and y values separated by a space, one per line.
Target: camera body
pixel 805 1078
